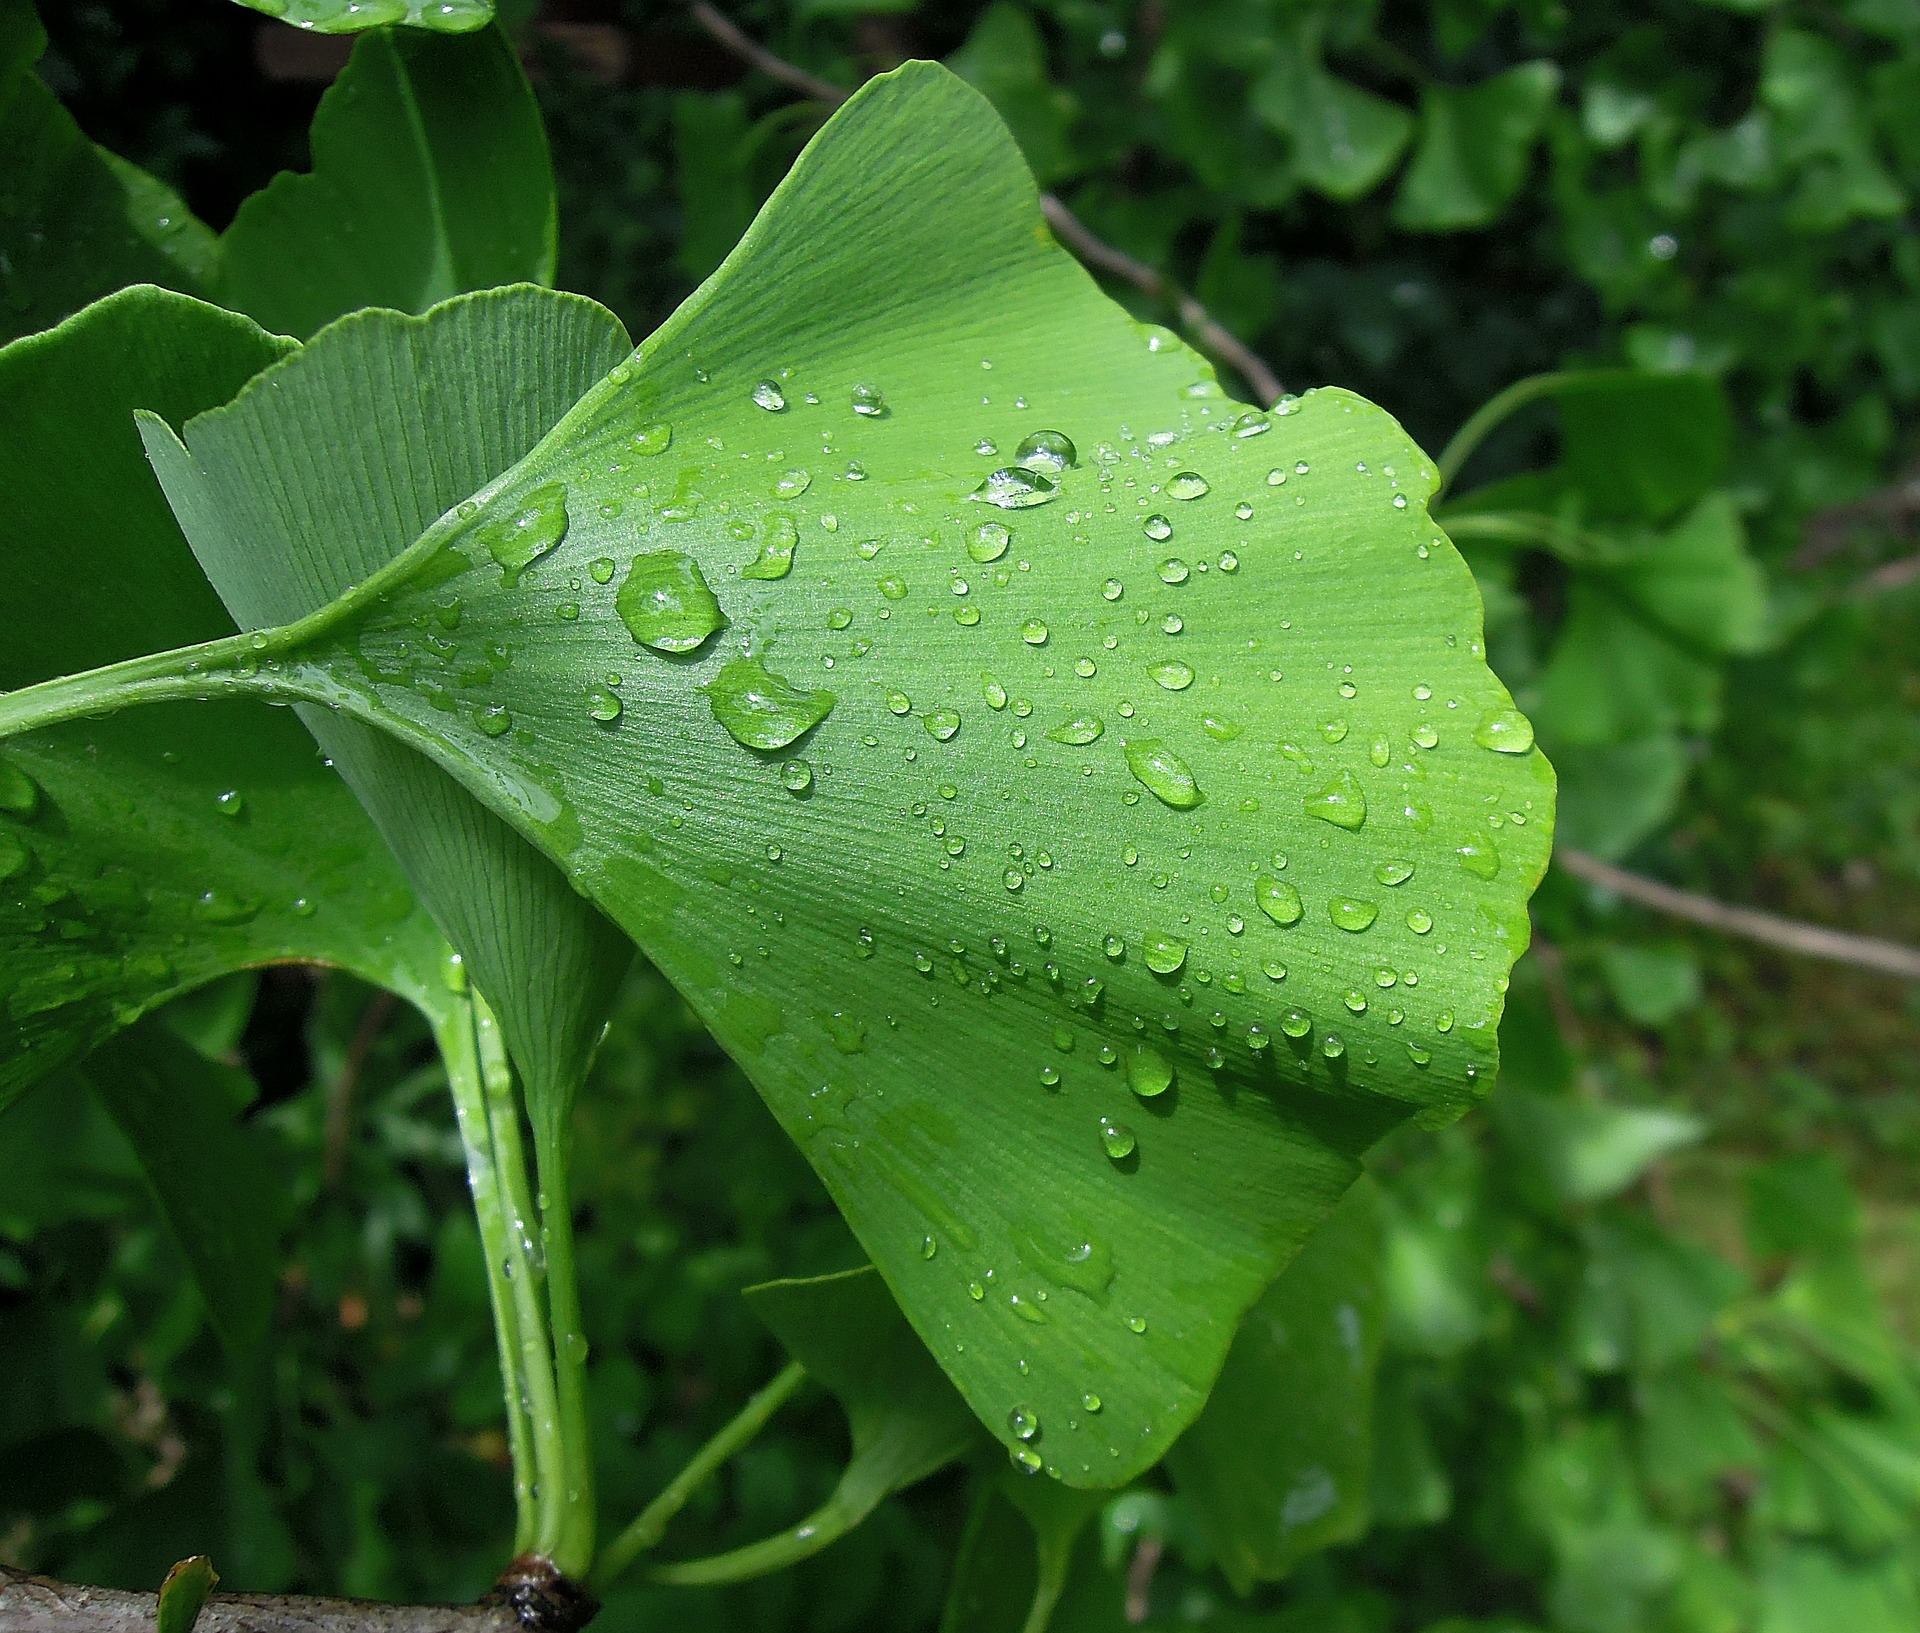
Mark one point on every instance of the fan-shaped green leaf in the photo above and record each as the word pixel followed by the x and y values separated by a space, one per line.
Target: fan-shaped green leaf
pixel 430 176
pixel 1087 852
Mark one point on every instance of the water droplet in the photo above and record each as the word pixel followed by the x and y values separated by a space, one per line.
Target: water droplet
pixel 1162 773
pixel 1136 1323
pixel 518 540
pixel 1419 1056
pixel 1419 923
pixel 1187 485
pixel 1149 1073
pixel 665 602
pixel 796 776
pixel 1335 731
pixel 1505 731
pixel 1090 1401
pixel 1026 1459
pixel 989 541
pixel 1024 1424
pixel 1342 802
pixel 1113 947
pixel 1113 589
pixel 1079 731
pixel 760 709
pixel 1014 488
pixel 899 703
pixel 1380 751
pixel 1171 673
pixel 1351 913
pixel 868 402
pixel 1117 1140
pixel 1333 1046
pixel 1279 900
pixel 791 484
pixel 602 705
pixel 942 723
pixel 1422 692
pixel 928 1247
pixel 1393 871
pixel 769 396
pixel 1048 451
pixel 1479 857
pixel 1050 1076
pixel 1296 1023
pixel 650 440
pixel 776 550
pixel 1164 954
pixel 1034 632
pixel 231 803
pixel 602 569
pixel 1014 880
pixel 996 694
pixel 219 906
pixel 1157 527
pixel 494 720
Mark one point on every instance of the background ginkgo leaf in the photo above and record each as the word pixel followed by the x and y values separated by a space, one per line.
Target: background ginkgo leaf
pixel 1086 875
pixel 143 855
pixel 79 221
pixel 430 176
pixel 351 16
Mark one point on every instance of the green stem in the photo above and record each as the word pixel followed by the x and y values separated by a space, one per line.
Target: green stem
pixel 832 1520
pixel 526 1276
pixel 226 667
pixel 1481 422
pixel 646 1531
pixel 571 1549
pixel 454 1032
pixel 1056 1557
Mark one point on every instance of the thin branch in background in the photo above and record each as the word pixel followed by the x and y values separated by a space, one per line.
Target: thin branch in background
pixel 1790 935
pixel 1889 576
pixel 1140 1569
pixel 1553 971
pixel 333 1162
pixel 1896 507
pixel 1067 227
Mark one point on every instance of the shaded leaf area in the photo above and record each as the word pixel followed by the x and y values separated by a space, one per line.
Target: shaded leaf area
pixel 143 856
pixel 79 223
pixel 430 176
pixel 904 1417
pixel 1275 1468
pixel 854 928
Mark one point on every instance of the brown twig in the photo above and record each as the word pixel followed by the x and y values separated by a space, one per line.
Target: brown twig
pixel 1140 1570
pixel 333 1161
pixel 530 1598
pixel 1891 575
pixel 1790 935
pixel 1067 227
pixel 1896 506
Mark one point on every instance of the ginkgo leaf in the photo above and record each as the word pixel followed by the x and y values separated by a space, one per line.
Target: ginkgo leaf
pixel 1080 803
pixel 352 16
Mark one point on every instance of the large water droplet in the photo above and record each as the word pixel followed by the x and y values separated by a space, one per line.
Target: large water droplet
pixel 1187 485
pixel 650 440
pixel 868 402
pixel 1279 900
pixel 1351 913
pixel 796 776
pixel 1023 1422
pixel 1116 1139
pixel 1026 1459
pixel 943 723
pixel 518 540
pixel 989 541
pixel 665 602
pixel 776 550
pixel 1505 731
pixel 1393 871
pixel 1162 773
pixel 791 484
pixel 1296 1023
pixel 1034 632
pixel 1171 673
pixel 1079 731
pixel 1479 857
pixel 770 397
pixel 1048 451
pixel 602 705
pixel 763 710
pixel 1158 527
pixel 1342 802
pixel 1164 954
pixel 1014 488
pixel 1149 1073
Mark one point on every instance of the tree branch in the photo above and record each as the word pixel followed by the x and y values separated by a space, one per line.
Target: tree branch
pixel 1067 227
pixel 530 1598
pixel 1790 935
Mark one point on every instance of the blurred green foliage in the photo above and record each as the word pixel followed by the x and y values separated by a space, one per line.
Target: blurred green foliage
pixel 1648 1360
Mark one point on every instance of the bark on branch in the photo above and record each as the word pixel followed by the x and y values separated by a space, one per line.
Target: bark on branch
pixel 530 1598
